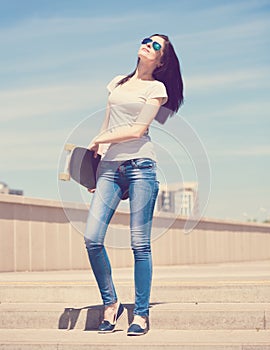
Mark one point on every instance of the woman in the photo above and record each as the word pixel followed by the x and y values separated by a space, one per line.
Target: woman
pixel 128 168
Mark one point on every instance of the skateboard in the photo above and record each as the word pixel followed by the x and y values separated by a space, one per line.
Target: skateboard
pixel 80 165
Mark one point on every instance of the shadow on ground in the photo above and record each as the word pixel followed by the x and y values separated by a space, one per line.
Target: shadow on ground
pixel 94 316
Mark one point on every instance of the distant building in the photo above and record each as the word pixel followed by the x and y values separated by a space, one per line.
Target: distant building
pixel 179 198
pixel 4 189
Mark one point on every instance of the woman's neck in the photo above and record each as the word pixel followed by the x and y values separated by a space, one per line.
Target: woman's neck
pixel 144 72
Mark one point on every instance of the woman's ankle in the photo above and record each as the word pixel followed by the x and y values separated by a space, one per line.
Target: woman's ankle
pixel 140 320
pixel 109 311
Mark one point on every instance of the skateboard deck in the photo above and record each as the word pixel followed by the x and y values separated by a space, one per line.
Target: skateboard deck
pixel 81 166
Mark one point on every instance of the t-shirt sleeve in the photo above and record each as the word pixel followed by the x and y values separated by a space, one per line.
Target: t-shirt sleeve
pixel 158 90
pixel 113 82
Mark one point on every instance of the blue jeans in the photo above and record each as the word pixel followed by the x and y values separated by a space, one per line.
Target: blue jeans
pixel 138 176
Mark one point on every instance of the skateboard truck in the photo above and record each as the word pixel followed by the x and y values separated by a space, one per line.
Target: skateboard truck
pixel 80 166
pixel 65 176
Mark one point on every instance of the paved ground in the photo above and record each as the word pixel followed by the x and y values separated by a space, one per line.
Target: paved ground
pixel 217 285
pixel 217 273
pixel 213 339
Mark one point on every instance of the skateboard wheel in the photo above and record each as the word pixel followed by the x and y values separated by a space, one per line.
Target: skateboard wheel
pixel 69 146
pixel 64 176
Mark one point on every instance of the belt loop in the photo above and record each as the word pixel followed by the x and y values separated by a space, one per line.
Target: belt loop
pixel 120 168
pixel 133 163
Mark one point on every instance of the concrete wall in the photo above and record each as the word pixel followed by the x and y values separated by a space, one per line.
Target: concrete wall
pixel 35 235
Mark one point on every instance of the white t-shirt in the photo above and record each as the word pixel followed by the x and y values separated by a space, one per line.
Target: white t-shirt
pixel 126 102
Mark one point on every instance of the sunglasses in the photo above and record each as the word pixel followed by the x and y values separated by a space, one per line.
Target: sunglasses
pixel 156 46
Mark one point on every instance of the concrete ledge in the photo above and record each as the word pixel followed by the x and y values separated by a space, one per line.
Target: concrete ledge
pixel 186 293
pixel 37 236
pixel 211 283
pixel 173 316
pixel 154 340
pixel 123 218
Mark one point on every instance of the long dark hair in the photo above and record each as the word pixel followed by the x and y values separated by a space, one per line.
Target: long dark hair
pixel 169 73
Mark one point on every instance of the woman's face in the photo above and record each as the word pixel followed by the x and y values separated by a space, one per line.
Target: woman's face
pixel 147 51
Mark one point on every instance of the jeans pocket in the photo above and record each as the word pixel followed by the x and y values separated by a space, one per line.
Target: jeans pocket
pixel 145 163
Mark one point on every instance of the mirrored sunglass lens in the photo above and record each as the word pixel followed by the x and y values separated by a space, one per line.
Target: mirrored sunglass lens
pixel 156 46
pixel 146 41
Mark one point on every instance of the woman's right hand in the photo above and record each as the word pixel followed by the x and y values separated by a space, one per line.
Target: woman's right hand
pixel 93 146
pixel 91 190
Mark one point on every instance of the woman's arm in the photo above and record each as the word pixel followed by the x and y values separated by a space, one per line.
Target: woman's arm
pixel 99 147
pixel 105 123
pixel 129 132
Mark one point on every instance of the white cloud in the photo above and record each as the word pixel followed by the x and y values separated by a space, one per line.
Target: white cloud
pixel 233 8
pixel 40 62
pixel 25 103
pixel 242 113
pixel 55 26
pixel 57 43
pixel 254 151
pixel 226 41
pixel 251 78
pixel 31 150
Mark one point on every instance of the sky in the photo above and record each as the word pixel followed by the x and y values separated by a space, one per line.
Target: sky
pixel 57 56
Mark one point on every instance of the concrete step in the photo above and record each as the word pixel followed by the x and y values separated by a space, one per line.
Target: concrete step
pixel 213 307
pixel 166 291
pixel 212 283
pixel 154 340
pixel 177 316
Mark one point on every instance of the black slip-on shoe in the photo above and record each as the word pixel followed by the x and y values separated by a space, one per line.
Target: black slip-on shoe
pixel 135 329
pixel 106 326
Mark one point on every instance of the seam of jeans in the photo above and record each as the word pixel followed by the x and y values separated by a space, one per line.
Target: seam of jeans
pixel 109 281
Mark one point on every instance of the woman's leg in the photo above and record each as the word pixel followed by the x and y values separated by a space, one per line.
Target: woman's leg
pixel 143 191
pixel 106 199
